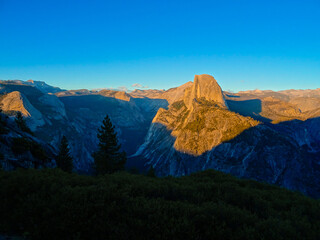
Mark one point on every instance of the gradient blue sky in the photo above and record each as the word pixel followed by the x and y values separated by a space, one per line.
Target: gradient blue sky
pixel 161 44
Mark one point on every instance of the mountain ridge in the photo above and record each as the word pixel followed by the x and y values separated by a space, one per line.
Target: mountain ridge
pixel 265 135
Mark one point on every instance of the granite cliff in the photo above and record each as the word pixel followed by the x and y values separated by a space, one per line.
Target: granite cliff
pixel 258 135
pixel 201 120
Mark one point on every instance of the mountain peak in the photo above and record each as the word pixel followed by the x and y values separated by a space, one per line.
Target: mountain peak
pixel 204 86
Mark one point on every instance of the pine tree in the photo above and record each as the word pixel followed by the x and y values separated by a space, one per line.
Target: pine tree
pixel 1 160
pixel 21 122
pixel 151 172
pixel 64 160
pixel 108 158
pixel 3 123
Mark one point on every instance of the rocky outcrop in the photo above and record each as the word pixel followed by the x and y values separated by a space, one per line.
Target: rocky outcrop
pixel 204 87
pixel 199 130
pixel 201 120
pixel 15 102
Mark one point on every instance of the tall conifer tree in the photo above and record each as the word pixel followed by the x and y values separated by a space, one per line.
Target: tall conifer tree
pixel 108 158
pixel 64 160
pixel 3 123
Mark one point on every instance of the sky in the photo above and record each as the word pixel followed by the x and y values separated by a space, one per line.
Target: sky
pixel 161 44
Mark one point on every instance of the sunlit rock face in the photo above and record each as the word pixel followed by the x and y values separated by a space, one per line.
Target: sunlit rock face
pixel 205 126
pixel 14 102
pixel 17 102
pixel 204 87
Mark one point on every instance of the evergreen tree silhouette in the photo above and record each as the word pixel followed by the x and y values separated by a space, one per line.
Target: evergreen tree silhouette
pixel 151 172
pixel 108 158
pixel 3 123
pixel 64 160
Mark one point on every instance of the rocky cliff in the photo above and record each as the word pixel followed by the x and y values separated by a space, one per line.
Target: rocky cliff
pixel 204 87
pixel 205 131
pixel 201 120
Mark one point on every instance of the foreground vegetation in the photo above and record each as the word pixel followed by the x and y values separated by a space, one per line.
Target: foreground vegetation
pixel 52 204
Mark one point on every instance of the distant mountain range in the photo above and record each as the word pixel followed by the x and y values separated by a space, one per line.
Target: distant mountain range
pixel 269 136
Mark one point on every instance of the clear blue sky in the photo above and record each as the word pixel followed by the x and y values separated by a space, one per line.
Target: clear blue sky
pixel 161 44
